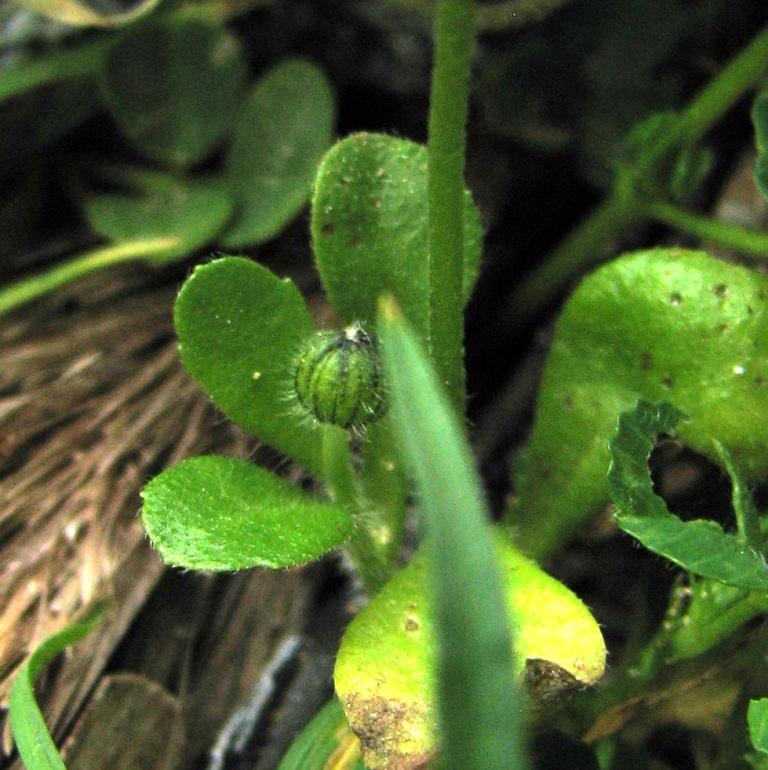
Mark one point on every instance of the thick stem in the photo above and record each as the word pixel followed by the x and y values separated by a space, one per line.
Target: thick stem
pixel 731 236
pixel 26 289
pixel 454 43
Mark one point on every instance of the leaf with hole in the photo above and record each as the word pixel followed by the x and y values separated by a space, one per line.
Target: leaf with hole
pixel 699 546
pixel 218 513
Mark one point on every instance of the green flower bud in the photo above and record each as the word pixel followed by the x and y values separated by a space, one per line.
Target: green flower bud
pixel 338 378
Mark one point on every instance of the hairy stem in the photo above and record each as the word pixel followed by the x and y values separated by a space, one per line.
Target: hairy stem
pixel 454 43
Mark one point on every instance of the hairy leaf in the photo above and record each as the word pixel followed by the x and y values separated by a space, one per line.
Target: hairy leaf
pixel 218 513
pixel 369 228
pixel 240 328
pixel 281 132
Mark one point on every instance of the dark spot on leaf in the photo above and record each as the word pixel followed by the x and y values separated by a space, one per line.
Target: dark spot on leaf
pixel 548 683
pixel 723 328
pixel 358 240
pixel 328 229
pixel 749 310
pixel 760 382
pixel 411 624
pixel 568 402
pixel 667 382
pixel 646 361
pixel 675 298
pixel 720 290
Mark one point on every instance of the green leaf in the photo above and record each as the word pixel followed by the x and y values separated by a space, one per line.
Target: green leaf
pixel 757 719
pixel 217 513
pixel 173 88
pixel 189 213
pixel 281 131
pixel 700 546
pixel 35 745
pixel 664 325
pixel 240 328
pixel 86 13
pixel 369 228
pixel 327 737
pixel 478 703
pixel 760 122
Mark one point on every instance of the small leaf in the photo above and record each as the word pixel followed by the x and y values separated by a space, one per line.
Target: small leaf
pixel 700 546
pixel 757 719
pixel 35 745
pixel 478 703
pixel 173 88
pixel 189 213
pixel 369 228
pixel 240 328
pixel 87 14
pixel 217 513
pixel 280 133
pixel 327 738
pixel 664 325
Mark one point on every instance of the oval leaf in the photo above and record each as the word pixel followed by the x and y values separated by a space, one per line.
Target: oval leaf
pixel 700 546
pixel 240 328
pixel 172 88
pixel 664 325
pixel 280 134
pixel 189 213
pixel 217 513
pixel 385 670
pixel 369 228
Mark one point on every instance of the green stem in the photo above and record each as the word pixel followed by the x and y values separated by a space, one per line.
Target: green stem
pixel 591 241
pixel 725 234
pixel 368 557
pixel 82 60
pixel 454 43
pixel 26 289
pixel 584 246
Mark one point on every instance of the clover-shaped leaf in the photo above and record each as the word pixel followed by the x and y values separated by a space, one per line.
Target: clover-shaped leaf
pixel 173 88
pixel 188 213
pixel 280 133
pixel 218 513
pixel 369 227
pixel 240 328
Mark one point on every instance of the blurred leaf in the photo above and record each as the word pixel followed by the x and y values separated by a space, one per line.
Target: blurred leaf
pixel 217 513
pixel 173 88
pixel 191 212
pixel 757 719
pixel 89 14
pixel 760 122
pixel 327 738
pixel 281 132
pixel 700 546
pixel 35 745
pixel 478 703
pixel 240 328
pixel 369 228
pixel 664 324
